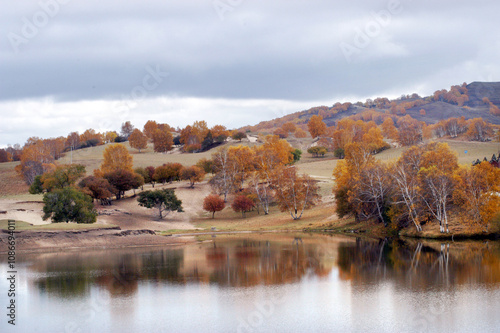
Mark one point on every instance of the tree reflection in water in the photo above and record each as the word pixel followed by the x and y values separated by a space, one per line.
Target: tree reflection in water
pixel 270 260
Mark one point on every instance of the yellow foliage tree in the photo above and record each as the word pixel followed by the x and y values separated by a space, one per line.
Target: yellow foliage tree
pixel 116 157
pixel 476 193
pixel 316 126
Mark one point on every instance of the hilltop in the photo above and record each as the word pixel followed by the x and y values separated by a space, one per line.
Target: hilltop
pixel 466 100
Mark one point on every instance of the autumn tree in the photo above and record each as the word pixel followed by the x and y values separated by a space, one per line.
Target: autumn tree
pixel 138 140
pixel 300 133
pixel 110 136
pixel 239 136
pixel 406 185
pixel 372 192
pixel 242 204
pixel 294 193
pixel 213 203
pixel 68 204
pixel 62 176
pixel 146 175
pixel 193 174
pixel 90 138
pixel 388 129
pixel 476 194
pixel 164 200
pixel 35 159
pixel 116 157
pixel 316 126
pixel 479 130
pixel 409 131
pixel 280 133
pixel 73 140
pixel 289 127
pixel 272 154
pixel 123 180
pixel 224 180
pixel 206 164
pixel 317 151
pixel 97 188
pixel 151 171
pixel 219 133
pixel 242 157
pixel 149 129
pixel 436 180
pixel 347 177
pixel 262 189
pixel 162 140
pixel 127 129
pixel 168 172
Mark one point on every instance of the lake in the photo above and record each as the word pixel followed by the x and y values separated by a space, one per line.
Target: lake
pixel 261 283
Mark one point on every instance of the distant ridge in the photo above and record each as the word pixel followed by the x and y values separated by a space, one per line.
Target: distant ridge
pixel 435 110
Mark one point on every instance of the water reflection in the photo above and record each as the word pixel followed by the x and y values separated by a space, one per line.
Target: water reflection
pixel 420 265
pixel 265 260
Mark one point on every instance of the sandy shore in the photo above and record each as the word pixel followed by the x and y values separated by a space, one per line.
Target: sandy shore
pixel 42 241
pixel 27 211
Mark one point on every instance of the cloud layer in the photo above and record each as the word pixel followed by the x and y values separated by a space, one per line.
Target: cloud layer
pixel 237 59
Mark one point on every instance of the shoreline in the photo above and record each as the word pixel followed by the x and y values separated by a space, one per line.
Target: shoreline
pixel 28 241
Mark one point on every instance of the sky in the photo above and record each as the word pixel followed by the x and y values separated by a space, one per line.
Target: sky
pixel 69 65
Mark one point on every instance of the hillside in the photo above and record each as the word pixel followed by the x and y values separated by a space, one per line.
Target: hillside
pixel 460 101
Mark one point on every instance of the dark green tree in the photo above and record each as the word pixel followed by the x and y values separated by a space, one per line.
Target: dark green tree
pixel 239 136
pixel 164 200
pixel 297 153
pixel 37 186
pixel 68 204
pixel 208 141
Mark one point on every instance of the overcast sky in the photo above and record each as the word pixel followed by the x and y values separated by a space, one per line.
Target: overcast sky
pixel 68 65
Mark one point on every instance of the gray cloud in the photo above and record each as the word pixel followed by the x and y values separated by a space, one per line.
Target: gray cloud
pixel 276 50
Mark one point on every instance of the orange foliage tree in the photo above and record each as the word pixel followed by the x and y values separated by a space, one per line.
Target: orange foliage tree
pixel 476 193
pixel 300 133
pixel 138 140
pixel 149 129
pixel 289 127
pixel 213 203
pixel 316 126
pixel 162 140
pixel 193 174
pixel 242 204
pixel 36 158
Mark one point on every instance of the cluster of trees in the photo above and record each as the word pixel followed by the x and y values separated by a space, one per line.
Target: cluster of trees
pixel 63 201
pixel 317 151
pixel 456 95
pixel 11 153
pixel 494 110
pixel 425 183
pixel 260 176
pixel 473 129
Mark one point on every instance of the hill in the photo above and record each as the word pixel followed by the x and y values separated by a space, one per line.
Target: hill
pixel 460 101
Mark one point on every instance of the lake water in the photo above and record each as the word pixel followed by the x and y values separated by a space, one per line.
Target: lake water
pixel 261 283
